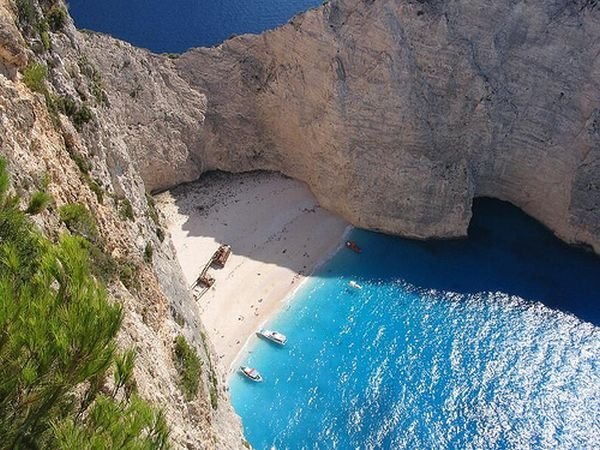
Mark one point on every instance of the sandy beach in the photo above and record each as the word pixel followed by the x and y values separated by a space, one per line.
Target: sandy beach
pixel 277 233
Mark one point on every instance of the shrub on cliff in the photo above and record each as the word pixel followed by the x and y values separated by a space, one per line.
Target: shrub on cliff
pixel 79 114
pixel 35 23
pixel 57 342
pixel 66 105
pixel 79 220
pixel 16 236
pixel 43 28
pixel 57 18
pixel 148 252
pixel 38 202
pixel 125 208
pixel 26 12
pixel 34 76
pixel 96 189
pixel 189 366
pixel 82 116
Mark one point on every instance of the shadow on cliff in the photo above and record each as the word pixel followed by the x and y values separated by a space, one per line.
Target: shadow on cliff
pixel 506 251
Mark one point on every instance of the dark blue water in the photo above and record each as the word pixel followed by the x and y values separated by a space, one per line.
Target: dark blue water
pixel 176 25
pixel 487 343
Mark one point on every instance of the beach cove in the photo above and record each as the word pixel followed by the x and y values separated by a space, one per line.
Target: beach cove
pixel 278 235
pixel 486 341
pixel 451 136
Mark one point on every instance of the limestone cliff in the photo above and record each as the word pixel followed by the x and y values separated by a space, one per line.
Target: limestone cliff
pixel 48 141
pixel 398 113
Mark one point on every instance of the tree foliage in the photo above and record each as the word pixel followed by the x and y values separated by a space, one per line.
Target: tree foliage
pixel 57 342
pixel 138 427
pixel 123 373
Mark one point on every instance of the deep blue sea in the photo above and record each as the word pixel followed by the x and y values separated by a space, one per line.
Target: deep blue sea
pixel 177 25
pixel 486 343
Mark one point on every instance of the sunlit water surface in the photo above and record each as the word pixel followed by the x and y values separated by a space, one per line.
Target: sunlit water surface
pixel 485 343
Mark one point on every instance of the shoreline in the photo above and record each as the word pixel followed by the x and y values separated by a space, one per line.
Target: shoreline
pixel 279 237
pixel 253 338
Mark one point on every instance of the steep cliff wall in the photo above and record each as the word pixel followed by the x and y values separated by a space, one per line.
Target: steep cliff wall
pixel 398 113
pixel 97 162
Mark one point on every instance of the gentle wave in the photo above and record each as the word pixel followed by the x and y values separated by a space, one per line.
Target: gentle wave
pixel 405 365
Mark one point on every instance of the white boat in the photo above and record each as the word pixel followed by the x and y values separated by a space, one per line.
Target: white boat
pixel 251 373
pixel 354 285
pixel 273 336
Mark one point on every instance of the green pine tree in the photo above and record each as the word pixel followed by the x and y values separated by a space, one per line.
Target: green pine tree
pixel 57 338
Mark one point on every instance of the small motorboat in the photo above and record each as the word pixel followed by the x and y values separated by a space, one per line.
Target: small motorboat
pixel 273 336
pixel 251 373
pixel 353 246
pixel 354 285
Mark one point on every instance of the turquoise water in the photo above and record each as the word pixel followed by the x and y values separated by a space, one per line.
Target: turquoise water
pixel 487 343
pixel 177 25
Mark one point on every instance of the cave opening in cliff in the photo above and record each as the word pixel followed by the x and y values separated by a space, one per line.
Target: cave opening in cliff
pixel 526 259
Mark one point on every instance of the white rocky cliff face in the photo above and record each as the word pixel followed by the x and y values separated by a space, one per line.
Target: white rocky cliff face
pixel 97 163
pixel 398 113
pixel 395 113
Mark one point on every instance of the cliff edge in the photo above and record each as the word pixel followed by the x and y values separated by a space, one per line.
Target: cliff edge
pixel 397 114
pixel 66 134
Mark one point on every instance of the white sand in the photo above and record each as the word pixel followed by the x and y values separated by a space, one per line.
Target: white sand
pixel 277 232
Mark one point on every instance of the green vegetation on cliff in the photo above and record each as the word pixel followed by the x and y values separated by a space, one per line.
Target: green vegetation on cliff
pixel 34 76
pixel 37 22
pixel 125 208
pixel 57 18
pixel 189 366
pixel 57 346
pixel 38 202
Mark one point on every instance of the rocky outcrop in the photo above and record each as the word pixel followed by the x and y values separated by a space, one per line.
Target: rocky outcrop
pixel 12 45
pixel 397 114
pixel 151 110
pixel 102 164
